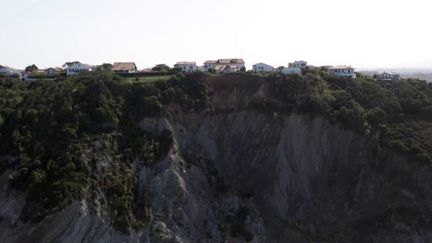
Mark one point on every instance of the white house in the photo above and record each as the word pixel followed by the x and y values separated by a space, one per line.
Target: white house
pixel 298 64
pixel 186 67
pixel 291 70
pixel 225 65
pixel 262 68
pixel 388 76
pixel 78 68
pixel 232 68
pixel 210 65
pixel 6 71
pixel 24 76
pixel 342 71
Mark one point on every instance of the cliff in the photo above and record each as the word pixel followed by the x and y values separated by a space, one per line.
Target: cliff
pixel 244 170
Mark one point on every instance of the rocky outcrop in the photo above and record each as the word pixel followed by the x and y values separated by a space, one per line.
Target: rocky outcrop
pixel 245 176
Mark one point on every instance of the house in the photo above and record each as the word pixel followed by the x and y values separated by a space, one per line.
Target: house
pixel 227 68
pixel 220 68
pixel 342 71
pixel 6 71
pixel 52 71
pixel 124 67
pixel 201 69
pixel 231 65
pixel 262 68
pixel 77 68
pixel 291 70
pixel 210 65
pixel 388 76
pixel 225 65
pixel 186 67
pixel 24 75
pixel 298 64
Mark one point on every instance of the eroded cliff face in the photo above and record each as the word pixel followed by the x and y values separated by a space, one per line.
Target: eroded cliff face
pixel 243 176
pixel 305 179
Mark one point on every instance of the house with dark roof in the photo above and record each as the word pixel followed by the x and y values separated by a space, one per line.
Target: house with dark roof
pixel 388 76
pixel 124 67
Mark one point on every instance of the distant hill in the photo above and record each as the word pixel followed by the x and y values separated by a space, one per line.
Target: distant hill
pixel 422 76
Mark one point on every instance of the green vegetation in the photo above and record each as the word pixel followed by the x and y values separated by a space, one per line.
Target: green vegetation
pixel 74 138
pixel 150 79
pixel 104 67
pixel 161 68
pixel 62 133
pixel 31 68
pixel 397 114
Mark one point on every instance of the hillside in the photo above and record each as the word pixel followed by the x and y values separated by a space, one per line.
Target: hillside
pixel 198 158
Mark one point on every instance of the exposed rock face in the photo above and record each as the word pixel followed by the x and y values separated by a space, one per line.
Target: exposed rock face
pixel 257 177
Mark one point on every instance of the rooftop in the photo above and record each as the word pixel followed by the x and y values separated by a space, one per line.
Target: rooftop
pixel 123 66
pixel 186 63
pixel 211 62
pixel 231 61
pixel 341 67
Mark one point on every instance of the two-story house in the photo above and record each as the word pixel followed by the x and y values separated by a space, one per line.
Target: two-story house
pixel 225 65
pixel 77 68
pixel 342 71
pixel 186 67
pixel 262 68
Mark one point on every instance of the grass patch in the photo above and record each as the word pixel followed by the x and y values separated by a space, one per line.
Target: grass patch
pixel 149 79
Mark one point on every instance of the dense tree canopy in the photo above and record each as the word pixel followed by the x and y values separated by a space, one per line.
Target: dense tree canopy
pixel 31 68
pixel 46 125
pixel 161 68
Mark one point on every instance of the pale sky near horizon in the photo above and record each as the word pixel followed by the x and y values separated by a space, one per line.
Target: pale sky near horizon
pixel 362 33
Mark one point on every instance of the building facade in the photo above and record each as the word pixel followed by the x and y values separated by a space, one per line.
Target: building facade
pixel 388 76
pixel 78 68
pixel 342 71
pixel 24 76
pixel 186 67
pixel 210 65
pixel 225 65
pixel 298 64
pixel 52 71
pixel 262 68
pixel 6 71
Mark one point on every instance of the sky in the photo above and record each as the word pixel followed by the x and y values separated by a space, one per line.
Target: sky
pixel 361 33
